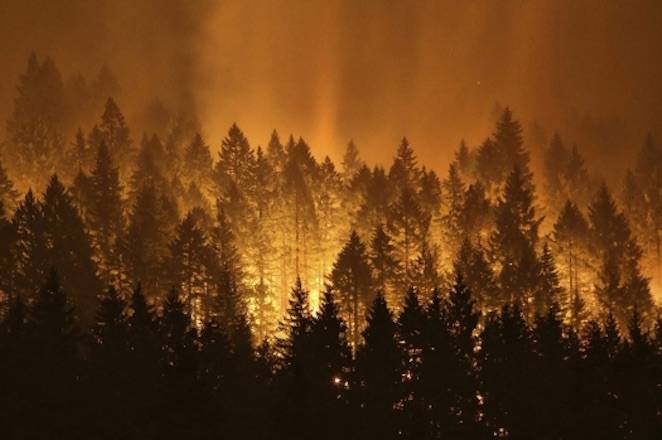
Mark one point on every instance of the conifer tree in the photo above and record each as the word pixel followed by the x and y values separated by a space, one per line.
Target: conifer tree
pixel 198 162
pixel 116 133
pixel 430 196
pixel 68 248
pixel 478 276
pixel 476 215
pixel 425 272
pixel 331 368
pixel 621 285
pixel 351 281
pixel 462 320
pixel 189 267
pixel 351 162
pixel 295 376
pixel 8 195
pixel 404 172
pixel 236 160
pixel 411 327
pixel 514 239
pixel 375 194
pixel 109 361
pixel 105 216
pixel 557 381
pixel 464 160
pixel 379 369
pixel 37 122
pixel 146 241
pixel 548 290
pixel 504 361
pixel 30 252
pixel 276 153
pixel 384 266
pixel 407 227
pixel 452 221
pixel 570 242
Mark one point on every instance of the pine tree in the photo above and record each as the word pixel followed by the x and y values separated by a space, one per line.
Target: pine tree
pixel 81 153
pixel 177 335
pixel 53 336
pixel 464 160
pixel 8 195
pixel 504 360
pixel 235 164
pixel 276 153
pixel 222 242
pixel 437 358
pixel 189 267
pixel 462 320
pixel 556 382
pixel 643 204
pixel 109 361
pixel 622 286
pixel 37 122
pixel 351 281
pixel 384 266
pixel 430 196
pixel 261 245
pixel 452 221
pixel 372 194
pixel 331 368
pixel 488 166
pixel 146 241
pixel 351 162
pixel 148 170
pixel 116 134
pixel 198 162
pixel 295 376
pixel 404 172
pixel 105 216
pixel 509 143
pixel 555 159
pixel 411 326
pixel 514 239
pixel 570 243
pixel 379 369
pixel 425 272
pixel 548 289
pixel 476 214
pixel 68 248
pixel 479 278
pixel 406 226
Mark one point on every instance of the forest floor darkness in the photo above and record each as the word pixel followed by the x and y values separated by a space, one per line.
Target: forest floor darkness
pixel 437 370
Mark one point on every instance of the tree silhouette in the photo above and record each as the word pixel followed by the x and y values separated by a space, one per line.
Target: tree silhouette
pixel 379 369
pixel 352 282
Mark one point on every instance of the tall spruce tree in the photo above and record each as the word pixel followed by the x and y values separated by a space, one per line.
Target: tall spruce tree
pixel 351 280
pixel 105 216
pixel 379 369
pixel 514 239
pixel 68 249
pixel 384 266
pixel 621 286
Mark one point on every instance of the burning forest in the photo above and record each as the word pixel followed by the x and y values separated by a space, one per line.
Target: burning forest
pixel 164 278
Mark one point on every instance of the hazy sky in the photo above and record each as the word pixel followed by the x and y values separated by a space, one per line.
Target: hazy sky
pixel 370 70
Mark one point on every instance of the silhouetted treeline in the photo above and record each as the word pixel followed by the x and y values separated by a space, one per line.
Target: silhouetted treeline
pixel 434 370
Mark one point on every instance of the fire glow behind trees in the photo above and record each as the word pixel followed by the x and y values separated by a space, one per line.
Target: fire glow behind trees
pixel 203 284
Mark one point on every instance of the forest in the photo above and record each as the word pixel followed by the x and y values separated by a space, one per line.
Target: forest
pixel 164 285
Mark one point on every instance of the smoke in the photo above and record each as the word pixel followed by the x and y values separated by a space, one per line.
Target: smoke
pixel 331 70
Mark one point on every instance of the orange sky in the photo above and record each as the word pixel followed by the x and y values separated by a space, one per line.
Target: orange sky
pixel 331 70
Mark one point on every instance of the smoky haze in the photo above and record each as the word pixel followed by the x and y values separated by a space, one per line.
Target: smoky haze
pixel 373 71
